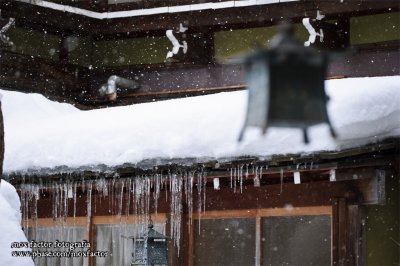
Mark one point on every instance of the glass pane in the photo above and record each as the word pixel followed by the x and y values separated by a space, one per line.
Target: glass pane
pixel 224 242
pixel 113 239
pixel 69 234
pixel 297 240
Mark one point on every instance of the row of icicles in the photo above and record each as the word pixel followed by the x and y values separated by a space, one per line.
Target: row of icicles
pixel 143 190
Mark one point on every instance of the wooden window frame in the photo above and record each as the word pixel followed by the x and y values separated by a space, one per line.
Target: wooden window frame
pixel 258 214
pixel 93 221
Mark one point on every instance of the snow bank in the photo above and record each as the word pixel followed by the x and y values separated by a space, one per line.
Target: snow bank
pixel 40 133
pixel 10 226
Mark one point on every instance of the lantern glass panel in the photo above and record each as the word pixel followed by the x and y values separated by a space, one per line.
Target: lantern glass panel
pixel 297 96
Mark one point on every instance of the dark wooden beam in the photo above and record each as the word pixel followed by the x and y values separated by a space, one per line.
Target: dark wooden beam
pixel 219 19
pixel 32 74
pixel 65 82
pixel 182 80
pixel 46 19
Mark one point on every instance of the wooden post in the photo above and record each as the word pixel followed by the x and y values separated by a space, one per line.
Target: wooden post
pixel 258 240
pixel 92 241
pixel 356 236
pixel 339 218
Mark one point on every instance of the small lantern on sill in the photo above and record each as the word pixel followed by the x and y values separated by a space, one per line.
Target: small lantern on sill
pixel 150 249
pixel 286 85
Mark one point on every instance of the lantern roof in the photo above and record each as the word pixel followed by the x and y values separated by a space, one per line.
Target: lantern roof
pixel 153 234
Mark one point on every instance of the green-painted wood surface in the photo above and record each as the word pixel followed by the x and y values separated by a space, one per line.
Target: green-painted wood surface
pixel 37 43
pixel 153 50
pixel 133 51
pixel 234 43
pixel 382 227
pixel 375 28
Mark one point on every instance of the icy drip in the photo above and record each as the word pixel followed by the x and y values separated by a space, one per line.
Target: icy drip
pixel 189 195
pixel 65 201
pixel 176 182
pixel 89 206
pixel 156 193
pixel 234 179
pixel 204 189
pixel 237 174
pixel 141 204
pixel 231 170
pixel 281 173
pixel 241 178
pixel 74 199
pixel 120 199
pixel 29 197
pixel 136 195
pixel 201 194
pixel 111 199
pixel 199 186
pixel 257 175
pixel 128 201
pixel 56 202
pixel 148 198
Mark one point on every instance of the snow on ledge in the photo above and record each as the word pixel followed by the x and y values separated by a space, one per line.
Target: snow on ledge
pixel 43 134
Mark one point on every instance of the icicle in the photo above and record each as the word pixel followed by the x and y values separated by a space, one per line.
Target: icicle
pixel 89 206
pixel 23 215
pixel 134 205
pixel 234 179
pixel 34 191
pixel 189 201
pixel 241 179
pixel 281 172
pixel 121 197
pixel 128 202
pixel 256 179
pixel 247 172
pixel 157 188
pixel 112 196
pixel 60 204
pixel 199 187
pixel 204 189
pixel 165 186
pixel 65 202
pixel 231 177
pixel 27 209
pixel 74 197
pixel 148 199
pixel 176 208
pixel 57 201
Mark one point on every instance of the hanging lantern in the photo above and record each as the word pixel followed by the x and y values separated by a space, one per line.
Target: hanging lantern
pixel 286 85
pixel 150 249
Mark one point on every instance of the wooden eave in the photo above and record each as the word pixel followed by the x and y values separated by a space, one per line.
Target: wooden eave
pixel 314 165
pixel 64 23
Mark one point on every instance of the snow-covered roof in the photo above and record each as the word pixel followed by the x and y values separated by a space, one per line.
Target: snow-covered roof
pixel 43 134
